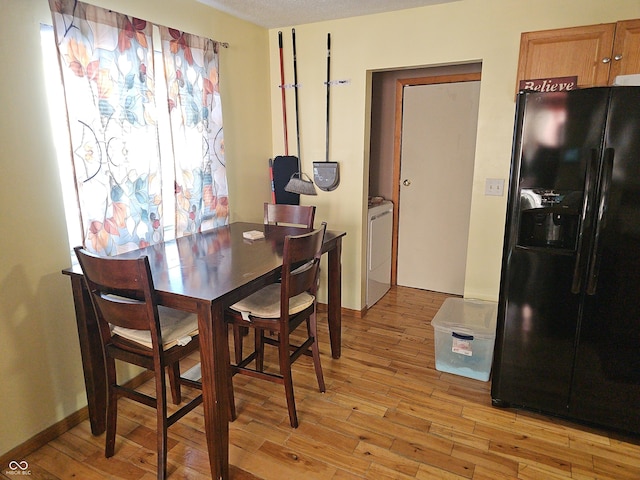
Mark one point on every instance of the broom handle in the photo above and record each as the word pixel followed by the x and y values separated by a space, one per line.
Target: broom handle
pixel 328 80
pixel 295 89
pixel 284 98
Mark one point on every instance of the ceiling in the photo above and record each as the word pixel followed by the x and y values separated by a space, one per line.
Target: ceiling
pixel 281 13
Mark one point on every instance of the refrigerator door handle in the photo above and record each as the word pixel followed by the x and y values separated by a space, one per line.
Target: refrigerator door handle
pixel 605 185
pixel 585 219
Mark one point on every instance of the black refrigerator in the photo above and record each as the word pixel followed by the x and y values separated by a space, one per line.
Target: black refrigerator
pixel 568 329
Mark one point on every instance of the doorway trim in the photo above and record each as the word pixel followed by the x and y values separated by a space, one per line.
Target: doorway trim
pixel 397 147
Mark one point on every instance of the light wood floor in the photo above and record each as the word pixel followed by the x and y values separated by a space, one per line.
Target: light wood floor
pixel 387 414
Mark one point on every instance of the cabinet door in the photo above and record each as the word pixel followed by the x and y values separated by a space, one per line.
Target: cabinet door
pixel 626 49
pixel 567 52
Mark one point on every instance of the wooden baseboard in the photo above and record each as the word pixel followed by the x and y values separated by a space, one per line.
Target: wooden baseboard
pixel 41 439
pixel 323 307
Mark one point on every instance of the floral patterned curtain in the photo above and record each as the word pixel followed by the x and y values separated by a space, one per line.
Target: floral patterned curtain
pixel 106 60
pixel 191 69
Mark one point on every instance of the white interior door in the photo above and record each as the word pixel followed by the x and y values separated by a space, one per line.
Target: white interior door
pixel 439 124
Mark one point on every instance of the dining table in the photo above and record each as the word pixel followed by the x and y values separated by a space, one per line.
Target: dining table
pixel 204 273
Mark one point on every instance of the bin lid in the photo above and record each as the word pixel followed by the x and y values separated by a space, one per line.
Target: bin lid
pixel 477 316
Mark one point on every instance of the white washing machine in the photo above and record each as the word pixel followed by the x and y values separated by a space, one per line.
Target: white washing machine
pixel 380 230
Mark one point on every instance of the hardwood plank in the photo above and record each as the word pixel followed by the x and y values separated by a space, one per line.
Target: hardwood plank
pixel 277 462
pixel 361 433
pixel 407 420
pixel 439 416
pixel 63 466
pixel 531 472
pixel 396 463
pixel 430 472
pixel 549 463
pixel 327 454
pixel 403 435
pixel 628 469
pixel 459 438
pixel 426 453
pixel 483 473
pixel 380 472
pixel 544 452
pixel 323 434
pixel 500 466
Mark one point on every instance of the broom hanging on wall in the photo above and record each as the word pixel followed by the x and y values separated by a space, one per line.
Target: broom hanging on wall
pixel 298 183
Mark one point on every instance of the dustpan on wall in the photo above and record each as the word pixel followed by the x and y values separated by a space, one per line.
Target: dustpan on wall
pixel 327 174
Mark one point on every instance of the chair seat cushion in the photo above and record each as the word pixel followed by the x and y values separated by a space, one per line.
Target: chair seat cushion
pixel 265 303
pixel 174 324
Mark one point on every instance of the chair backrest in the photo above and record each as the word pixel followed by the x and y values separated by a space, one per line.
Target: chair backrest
pixel 122 294
pixel 278 213
pixel 301 265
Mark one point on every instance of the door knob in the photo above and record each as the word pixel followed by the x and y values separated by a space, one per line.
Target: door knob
pixel 606 60
pixel 618 57
pixel 406 182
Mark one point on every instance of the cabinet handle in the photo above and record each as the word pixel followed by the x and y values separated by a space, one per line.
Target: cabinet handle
pixel 618 57
pixel 606 60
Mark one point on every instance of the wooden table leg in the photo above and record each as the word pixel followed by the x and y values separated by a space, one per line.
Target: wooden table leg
pixel 92 358
pixel 214 359
pixel 335 298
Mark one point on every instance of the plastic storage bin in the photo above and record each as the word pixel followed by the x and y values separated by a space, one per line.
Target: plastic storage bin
pixel 465 333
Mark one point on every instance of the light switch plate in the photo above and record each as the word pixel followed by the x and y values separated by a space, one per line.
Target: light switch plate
pixel 494 186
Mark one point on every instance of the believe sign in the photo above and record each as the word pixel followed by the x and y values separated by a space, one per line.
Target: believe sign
pixel 558 84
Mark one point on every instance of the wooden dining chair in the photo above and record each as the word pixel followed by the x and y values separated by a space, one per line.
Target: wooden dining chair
pixel 281 308
pixel 276 214
pixel 297 215
pixel 134 329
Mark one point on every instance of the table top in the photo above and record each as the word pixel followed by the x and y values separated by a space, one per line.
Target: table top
pixel 218 264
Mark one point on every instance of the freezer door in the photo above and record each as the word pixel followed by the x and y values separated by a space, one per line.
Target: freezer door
pixel 606 389
pixel 549 221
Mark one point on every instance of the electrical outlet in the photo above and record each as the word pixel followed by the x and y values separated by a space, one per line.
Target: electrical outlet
pixel 494 186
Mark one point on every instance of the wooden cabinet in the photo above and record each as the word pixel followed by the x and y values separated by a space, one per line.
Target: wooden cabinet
pixel 625 57
pixel 595 53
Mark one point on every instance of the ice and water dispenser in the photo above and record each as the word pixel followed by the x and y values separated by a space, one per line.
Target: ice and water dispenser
pixel 548 218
